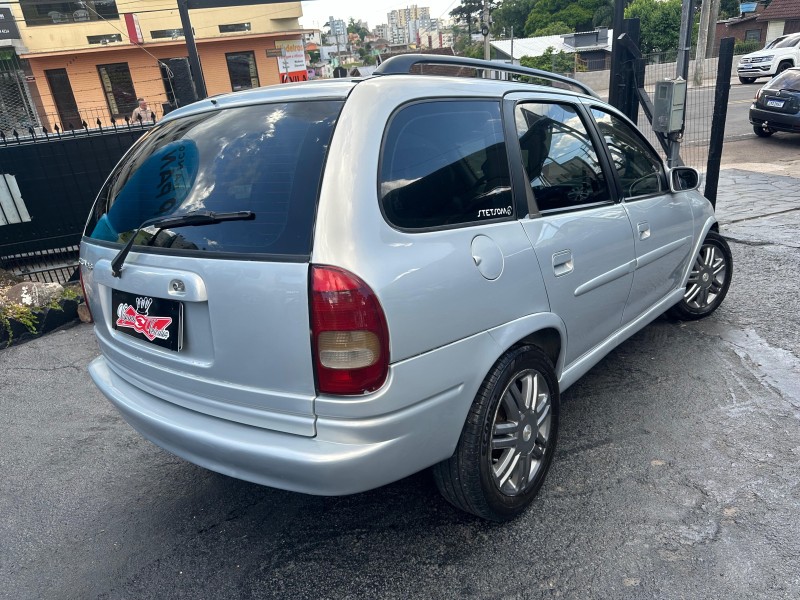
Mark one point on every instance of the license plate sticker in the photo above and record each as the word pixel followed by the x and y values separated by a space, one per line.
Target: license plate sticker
pixel 154 320
pixel 775 103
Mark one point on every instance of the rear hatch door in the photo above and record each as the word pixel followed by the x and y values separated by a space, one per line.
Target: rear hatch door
pixel 213 315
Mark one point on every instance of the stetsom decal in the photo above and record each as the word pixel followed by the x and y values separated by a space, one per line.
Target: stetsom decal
pixel 495 212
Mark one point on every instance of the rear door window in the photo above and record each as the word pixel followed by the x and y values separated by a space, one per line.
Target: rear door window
pixel 266 158
pixel 444 163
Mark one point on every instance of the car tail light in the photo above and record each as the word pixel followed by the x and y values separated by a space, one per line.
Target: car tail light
pixel 85 297
pixel 349 335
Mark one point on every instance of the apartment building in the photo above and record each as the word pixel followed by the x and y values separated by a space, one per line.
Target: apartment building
pixel 404 24
pixel 92 59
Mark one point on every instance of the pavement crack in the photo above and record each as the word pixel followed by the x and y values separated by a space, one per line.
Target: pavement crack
pixel 753 243
pixel 48 369
pixel 772 214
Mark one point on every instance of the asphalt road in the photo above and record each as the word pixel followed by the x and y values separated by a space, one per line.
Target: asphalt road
pixel 677 476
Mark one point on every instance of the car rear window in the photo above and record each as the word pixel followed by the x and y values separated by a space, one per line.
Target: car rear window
pixel 266 158
pixel 788 80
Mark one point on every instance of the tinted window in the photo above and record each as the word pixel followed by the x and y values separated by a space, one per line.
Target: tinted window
pixel 242 70
pixel 788 80
pixel 267 159
pixel 445 163
pixel 638 166
pixel 559 158
pixel 118 88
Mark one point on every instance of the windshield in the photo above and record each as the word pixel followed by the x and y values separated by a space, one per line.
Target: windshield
pixel 789 42
pixel 267 159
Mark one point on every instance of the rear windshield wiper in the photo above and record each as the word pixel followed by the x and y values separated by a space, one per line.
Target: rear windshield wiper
pixel 192 219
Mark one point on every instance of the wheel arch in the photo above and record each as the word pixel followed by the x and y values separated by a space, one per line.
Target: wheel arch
pixel 544 330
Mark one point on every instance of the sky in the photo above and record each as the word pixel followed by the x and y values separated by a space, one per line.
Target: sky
pixel 316 12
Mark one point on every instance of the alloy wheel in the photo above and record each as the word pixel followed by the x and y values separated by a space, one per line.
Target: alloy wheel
pixel 707 278
pixel 520 433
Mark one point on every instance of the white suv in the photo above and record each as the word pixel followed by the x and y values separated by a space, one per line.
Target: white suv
pixel 328 286
pixel 774 58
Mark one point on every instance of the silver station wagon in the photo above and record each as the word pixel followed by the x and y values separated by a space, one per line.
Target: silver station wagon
pixel 325 287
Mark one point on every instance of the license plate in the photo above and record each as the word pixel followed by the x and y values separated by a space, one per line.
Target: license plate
pixel 775 103
pixel 155 320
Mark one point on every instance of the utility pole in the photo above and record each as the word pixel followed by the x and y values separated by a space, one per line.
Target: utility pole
pixel 709 12
pixel 685 45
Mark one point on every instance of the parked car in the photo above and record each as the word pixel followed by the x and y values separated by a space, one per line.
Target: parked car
pixel 325 287
pixel 776 106
pixel 773 59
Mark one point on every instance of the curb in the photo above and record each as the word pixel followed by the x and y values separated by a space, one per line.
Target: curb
pixel 45 320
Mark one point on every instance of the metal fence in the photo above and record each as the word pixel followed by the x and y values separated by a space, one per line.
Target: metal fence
pixel 16 106
pixel 699 105
pixel 48 182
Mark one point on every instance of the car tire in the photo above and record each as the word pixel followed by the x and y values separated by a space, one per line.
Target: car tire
pixel 708 282
pixel 782 67
pixel 747 79
pixel 761 132
pixel 508 440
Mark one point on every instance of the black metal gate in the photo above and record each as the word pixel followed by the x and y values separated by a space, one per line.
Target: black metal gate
pixel 48 183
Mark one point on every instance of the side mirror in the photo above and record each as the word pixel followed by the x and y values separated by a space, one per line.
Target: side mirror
pixel 683 179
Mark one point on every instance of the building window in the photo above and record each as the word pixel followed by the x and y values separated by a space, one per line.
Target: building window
pixel 61 89
pixel 752 35
pixel 104 39
pixel 234 27
pixel 242 70
pixel 161 34
pixel 118 88
pixel 37 12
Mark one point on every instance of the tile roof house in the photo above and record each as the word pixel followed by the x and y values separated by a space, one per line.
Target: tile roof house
pixel 781 16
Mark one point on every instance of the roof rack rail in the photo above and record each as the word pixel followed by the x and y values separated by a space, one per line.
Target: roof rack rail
pixel 402 64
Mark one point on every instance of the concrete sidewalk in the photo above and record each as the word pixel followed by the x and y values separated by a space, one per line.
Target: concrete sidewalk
pixel 759 203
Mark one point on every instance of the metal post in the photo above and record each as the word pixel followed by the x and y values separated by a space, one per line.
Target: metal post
pixel 512 45
pixel 721 94
pixel 630 96
pixel 191 47
pixel 682 72
pixel 685 39
pixel 615 85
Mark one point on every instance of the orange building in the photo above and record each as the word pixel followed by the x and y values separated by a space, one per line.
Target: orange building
pixel 92 59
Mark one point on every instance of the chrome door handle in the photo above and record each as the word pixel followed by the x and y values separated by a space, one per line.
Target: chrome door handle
pixel 644 230
pixel 563 263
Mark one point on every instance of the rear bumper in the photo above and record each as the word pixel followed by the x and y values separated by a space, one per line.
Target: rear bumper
pixel 348 455
pixel 776 121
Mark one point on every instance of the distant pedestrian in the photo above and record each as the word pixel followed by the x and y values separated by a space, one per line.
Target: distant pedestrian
pixel 141 111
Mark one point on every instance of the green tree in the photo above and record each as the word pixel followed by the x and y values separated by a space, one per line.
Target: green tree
pixel 728 9
pixel 511 13
pixel 353 27
pixel 468 13
pixel 556 28
pixel 577 14
pixel 660 22
pixel 555 62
